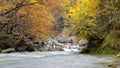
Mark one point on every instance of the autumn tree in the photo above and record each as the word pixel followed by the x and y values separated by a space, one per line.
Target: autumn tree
pixel 58 10
pixel 39 19
pixel 108 21
pixel 82 17
pixel 23 17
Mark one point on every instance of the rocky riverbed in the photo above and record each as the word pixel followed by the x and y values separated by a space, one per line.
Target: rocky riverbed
pixel 57 43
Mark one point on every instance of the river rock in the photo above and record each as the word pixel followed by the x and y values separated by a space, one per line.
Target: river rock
pixel 82 43
pixel 84 50
pixel 8 50
pixel 57 48
pixel 24 46
pixel 117 47
pixel 4 45
pixel 9 42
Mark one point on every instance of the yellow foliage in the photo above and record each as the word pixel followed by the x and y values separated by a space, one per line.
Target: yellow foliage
pixel 93 4
pixel 40 20
pixel 31 1
pixel 82 16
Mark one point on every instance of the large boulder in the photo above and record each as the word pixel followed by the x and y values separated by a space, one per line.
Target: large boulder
pixel 42 46
pixel 117 47
pixel 9 50
pixel 4 45
pixel 64 39
pixel 57 48
pixel 82 43
pixel 37 46
pixel 8 41
pixel 24 46
pixel 84 50
pixel 12 41
pixel 0 50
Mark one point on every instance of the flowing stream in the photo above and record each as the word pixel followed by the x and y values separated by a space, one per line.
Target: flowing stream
pixel 54 60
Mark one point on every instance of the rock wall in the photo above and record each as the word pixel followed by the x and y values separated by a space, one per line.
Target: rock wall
pixel 22 44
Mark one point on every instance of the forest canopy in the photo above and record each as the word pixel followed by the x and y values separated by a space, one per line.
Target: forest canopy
pixel 97 21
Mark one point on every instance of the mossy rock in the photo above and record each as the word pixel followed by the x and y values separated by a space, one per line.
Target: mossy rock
pixel 119 53
pixel 85 50
pixel 7 40
pixel 0 50
pixel 108 50
pixel 113 65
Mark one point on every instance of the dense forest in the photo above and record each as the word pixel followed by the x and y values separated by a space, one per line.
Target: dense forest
pixel 96 21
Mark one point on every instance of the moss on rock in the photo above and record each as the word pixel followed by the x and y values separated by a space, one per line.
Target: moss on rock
pixel 0 50
pixel 108 50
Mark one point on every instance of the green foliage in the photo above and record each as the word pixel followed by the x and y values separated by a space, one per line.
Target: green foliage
pixel 108 22
pixel 98 21
pixel 82 18
pixel 101 28
pixel 99 50
pixel 3 37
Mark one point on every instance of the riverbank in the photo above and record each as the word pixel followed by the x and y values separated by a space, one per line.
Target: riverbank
pixel 13 43
pixel 108 51
pixel 58 43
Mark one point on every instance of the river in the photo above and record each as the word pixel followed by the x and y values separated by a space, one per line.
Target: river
pixel 53 60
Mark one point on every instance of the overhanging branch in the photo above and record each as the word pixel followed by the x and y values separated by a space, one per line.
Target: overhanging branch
pixel 18 6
